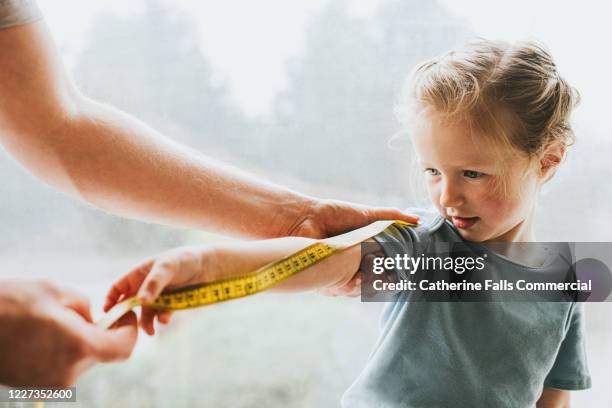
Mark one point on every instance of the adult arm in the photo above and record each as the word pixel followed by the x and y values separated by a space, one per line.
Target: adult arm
pixel 117 163
pixel 48 338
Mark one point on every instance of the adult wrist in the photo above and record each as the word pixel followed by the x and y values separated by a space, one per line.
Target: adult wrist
pixel 297 214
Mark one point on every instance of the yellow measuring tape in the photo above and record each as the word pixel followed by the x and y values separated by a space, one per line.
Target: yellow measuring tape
pixel 255 282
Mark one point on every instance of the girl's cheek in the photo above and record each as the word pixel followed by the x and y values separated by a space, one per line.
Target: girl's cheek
pixel 501 208
pixel 433 188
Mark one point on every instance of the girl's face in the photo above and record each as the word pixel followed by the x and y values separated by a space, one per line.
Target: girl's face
pixel 460 175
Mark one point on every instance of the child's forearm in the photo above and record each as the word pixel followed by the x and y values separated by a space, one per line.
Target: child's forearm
pixel 235 259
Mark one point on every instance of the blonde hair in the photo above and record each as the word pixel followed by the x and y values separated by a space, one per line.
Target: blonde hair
pixel 511 93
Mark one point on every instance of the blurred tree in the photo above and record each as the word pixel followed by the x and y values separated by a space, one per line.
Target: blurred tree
pixel 335 120
pixel 150 65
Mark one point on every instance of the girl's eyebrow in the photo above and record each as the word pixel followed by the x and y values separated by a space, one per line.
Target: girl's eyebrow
pixel 462 165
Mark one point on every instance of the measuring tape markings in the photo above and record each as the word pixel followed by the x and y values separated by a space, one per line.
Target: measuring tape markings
pixel 255 282
pixel 233 288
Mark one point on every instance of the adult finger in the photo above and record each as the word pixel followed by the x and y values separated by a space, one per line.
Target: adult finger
pixel 164 316
pixel 116 343
pixel 366 270
pixel 335 217
pixel 76 301
pixel 160 276
pixel 147 320
pixel 367 262
pixel 127 285
pixel 45 291
pixel 390 213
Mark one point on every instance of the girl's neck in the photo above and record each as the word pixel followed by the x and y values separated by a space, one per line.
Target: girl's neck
pixel 529 254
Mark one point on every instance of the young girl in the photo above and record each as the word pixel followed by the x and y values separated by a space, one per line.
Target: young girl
pixel 490 127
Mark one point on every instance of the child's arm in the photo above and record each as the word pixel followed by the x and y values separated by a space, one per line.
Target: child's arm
pixel 195 265
pixel 554 398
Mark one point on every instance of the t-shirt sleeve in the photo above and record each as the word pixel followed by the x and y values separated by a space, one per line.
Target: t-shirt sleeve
pixel 16 12
pixel 570 370
pixel 397 240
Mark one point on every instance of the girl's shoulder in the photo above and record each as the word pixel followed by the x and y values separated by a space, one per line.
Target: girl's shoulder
pixel 432 226
pixel 430 220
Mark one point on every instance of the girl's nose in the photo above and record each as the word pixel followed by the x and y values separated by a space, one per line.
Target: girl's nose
pixel 450 195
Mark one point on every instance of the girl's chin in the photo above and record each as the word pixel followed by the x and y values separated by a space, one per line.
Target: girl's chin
pixel 472 235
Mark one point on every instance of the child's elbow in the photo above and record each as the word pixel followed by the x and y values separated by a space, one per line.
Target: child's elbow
pixel 554 398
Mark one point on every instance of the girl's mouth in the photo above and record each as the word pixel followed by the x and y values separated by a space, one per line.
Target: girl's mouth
pixel 464 223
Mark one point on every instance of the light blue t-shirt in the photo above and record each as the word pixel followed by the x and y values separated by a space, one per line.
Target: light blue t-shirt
pixel 479 354
pixel 15 12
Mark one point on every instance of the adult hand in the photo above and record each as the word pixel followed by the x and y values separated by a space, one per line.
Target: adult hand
pixel 325 218
pixel 48 337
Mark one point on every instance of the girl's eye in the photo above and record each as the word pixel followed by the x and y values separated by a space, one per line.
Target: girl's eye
pixel 432 172
pixel 472 174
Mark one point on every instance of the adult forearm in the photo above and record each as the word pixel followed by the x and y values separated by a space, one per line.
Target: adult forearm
pixel 116 162
pixel 121 165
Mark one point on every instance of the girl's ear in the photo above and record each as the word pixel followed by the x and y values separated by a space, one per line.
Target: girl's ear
pixel 550 158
